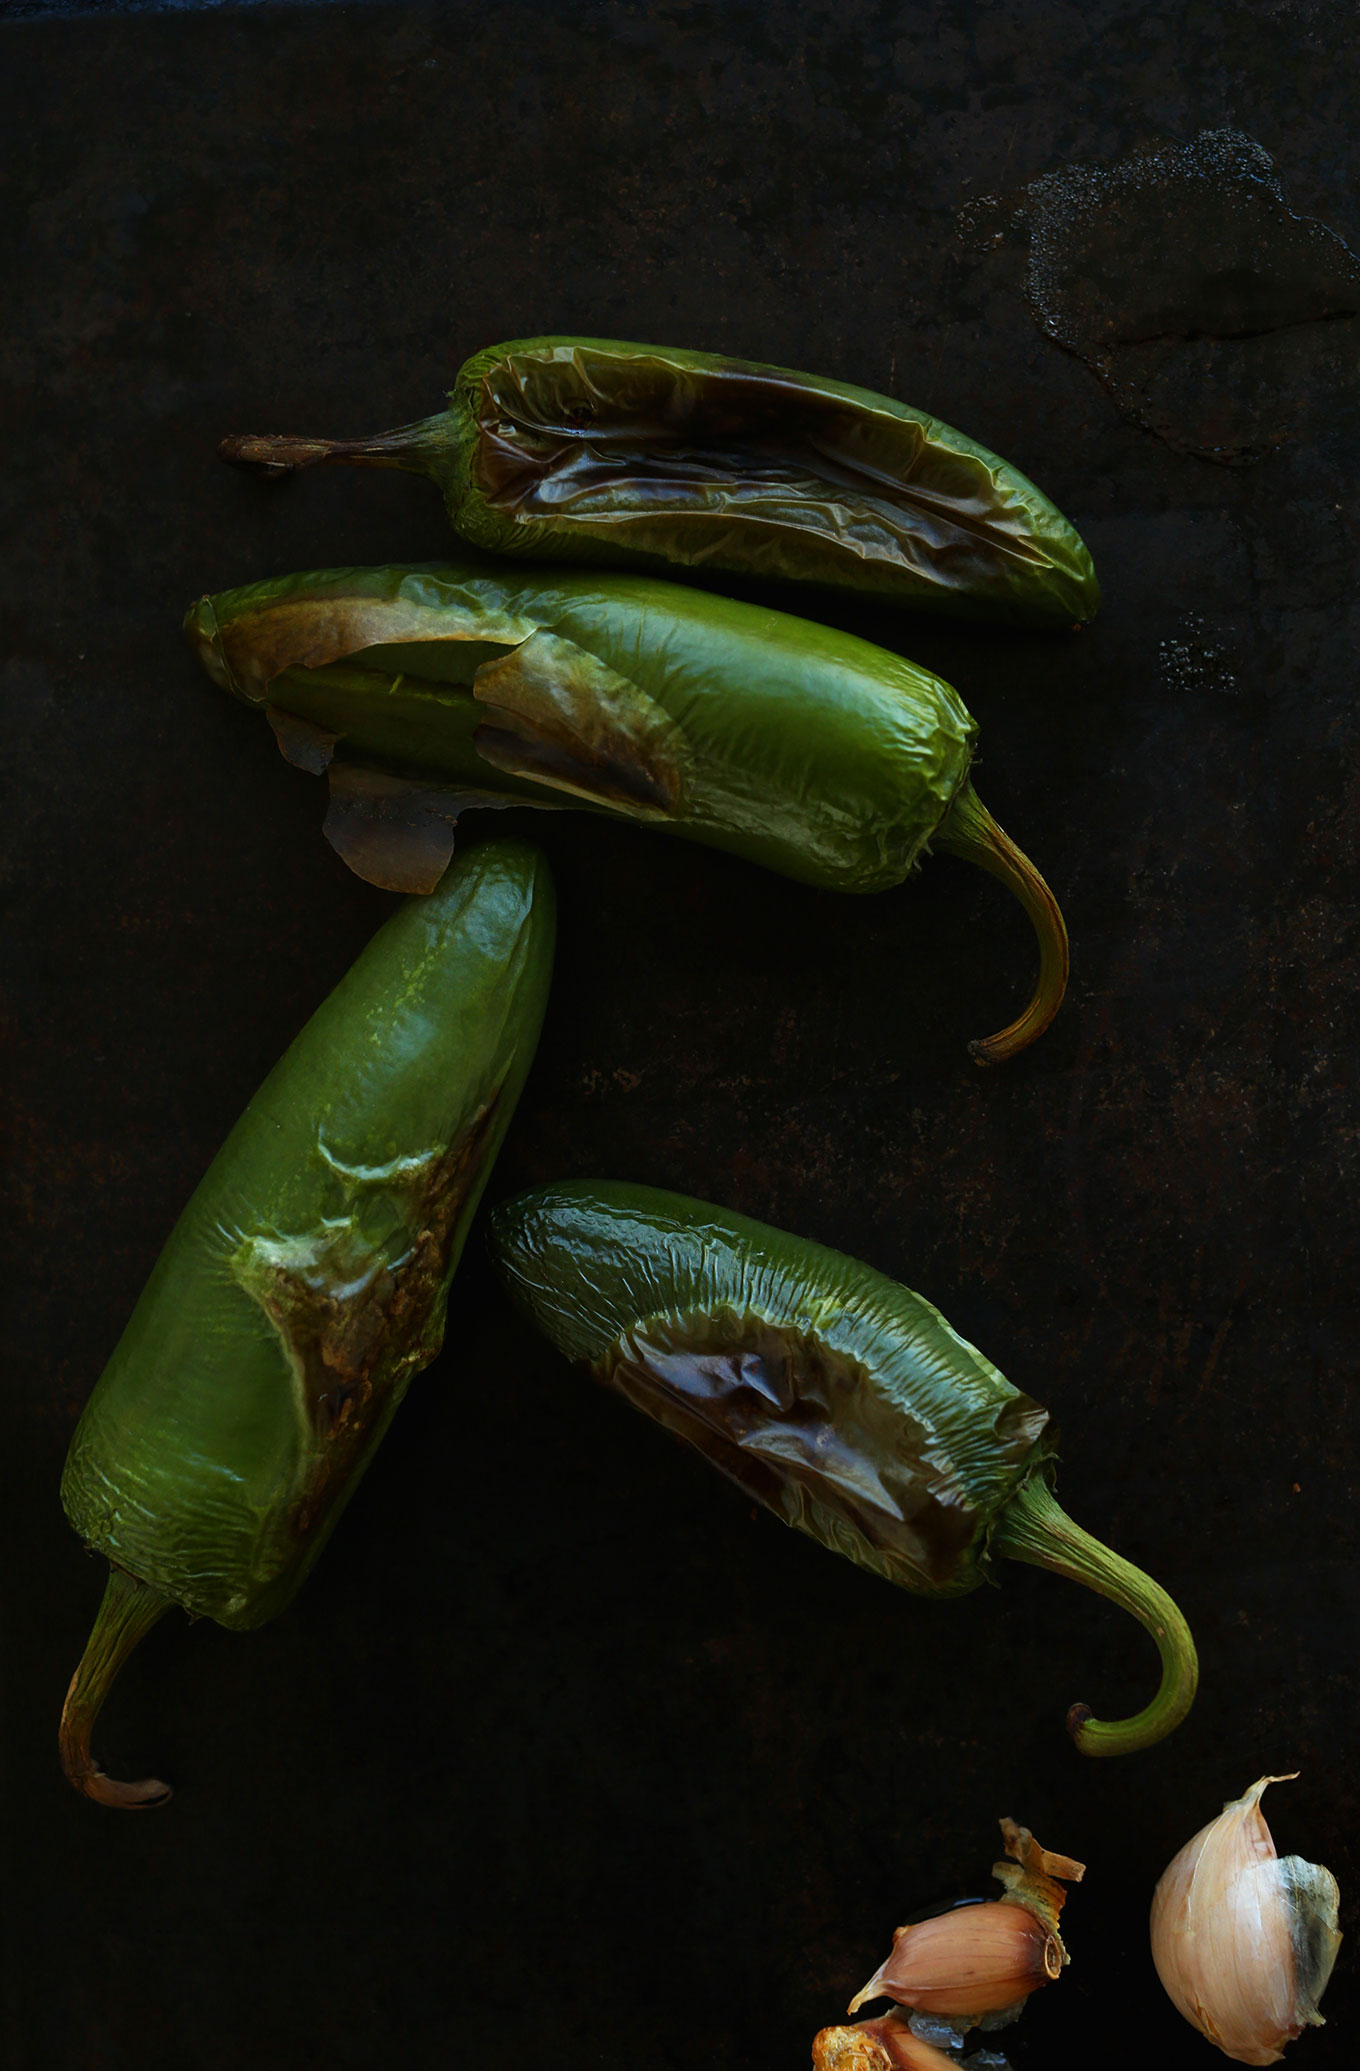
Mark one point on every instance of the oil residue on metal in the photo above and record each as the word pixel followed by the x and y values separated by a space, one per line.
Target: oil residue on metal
pixel 1193 660
pixel 1217 318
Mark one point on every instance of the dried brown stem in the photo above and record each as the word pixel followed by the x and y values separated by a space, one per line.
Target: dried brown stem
pixel 969 830
pixel 128 1612
pixel 268 454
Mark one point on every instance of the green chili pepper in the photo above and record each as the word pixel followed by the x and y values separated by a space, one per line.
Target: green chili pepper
pixel 840 1400
pixel 585 449
pixel 306 1281
pixel 425 691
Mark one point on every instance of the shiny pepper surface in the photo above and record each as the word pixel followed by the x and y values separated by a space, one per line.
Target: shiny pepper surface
pixel 305 1283
pixel 425 691
pixel 837 1398
pixel 592 449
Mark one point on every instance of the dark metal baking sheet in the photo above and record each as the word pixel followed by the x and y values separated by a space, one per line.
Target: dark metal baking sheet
pixel 564 1757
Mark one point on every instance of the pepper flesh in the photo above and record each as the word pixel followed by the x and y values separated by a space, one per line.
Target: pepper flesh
pixel 593 449
pixel 423 692
pixel 837 1398
pixel 305 1283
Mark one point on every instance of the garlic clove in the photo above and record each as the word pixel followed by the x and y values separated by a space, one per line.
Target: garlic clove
pixel 1243 1942
pixel 977 1959
pixel 848 2049
pixel 889 2044
pixel 886 2044
pixel 986 1958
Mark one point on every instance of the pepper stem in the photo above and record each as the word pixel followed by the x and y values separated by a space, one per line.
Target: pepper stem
pixel 127 1614
pixel 1034 1528
pixel 409 447
pixel 968 829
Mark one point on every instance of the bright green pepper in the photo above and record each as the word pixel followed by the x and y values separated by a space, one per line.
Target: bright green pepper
pixel 837 1398
pixel 425 691
pixel 587 449
pixel 306 1281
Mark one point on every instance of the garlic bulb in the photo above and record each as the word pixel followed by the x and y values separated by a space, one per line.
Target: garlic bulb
pixel 1244 1942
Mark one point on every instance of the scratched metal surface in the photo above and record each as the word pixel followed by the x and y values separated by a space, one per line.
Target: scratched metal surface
pixel 563 1755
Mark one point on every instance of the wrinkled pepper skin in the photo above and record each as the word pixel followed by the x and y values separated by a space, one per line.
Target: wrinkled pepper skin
pixel 305 1282
pixel 840 1400
pixel 592 449
pixel 423 691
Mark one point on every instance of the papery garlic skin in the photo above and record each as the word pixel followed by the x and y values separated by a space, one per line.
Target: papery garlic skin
pixel 1244 1942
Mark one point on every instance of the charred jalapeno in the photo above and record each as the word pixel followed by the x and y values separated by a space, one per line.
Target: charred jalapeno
pixel 837 1398
pixel 306 1281
pixel 587 449
pixel 428 690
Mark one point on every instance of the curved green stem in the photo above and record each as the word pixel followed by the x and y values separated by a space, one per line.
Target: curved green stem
pixel 1034 1528
pixel 969 830
pixel 127 1614
pixel 409 447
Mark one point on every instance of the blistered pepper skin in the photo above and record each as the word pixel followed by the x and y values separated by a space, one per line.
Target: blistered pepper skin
pixel 596 449
pixel 305 1283
pixel 801 748
pixel 839 1399
pixel 424 691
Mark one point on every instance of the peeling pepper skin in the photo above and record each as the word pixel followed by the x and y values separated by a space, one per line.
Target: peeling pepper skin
pixel 305 1282
pixel 837 1398
pixel 591 449
pixel 425 691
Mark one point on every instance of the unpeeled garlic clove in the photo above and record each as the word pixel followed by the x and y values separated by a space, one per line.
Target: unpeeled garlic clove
pixel 987 1958
pixel 1244 1942
pixel 975 1960
pixel 889 2044
pixel 886 2044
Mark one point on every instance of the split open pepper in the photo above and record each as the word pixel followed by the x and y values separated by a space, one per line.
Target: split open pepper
pixel 306 1281
pixel 839 1399
pixel 425 691
pixel 591 449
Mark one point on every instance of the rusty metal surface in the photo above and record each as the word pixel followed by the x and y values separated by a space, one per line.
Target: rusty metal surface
pixel 563 1755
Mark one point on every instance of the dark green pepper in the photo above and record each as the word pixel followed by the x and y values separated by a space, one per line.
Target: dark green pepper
pixel 837 1398
pixel 425 691
pixel 306 1281
pixel 585 449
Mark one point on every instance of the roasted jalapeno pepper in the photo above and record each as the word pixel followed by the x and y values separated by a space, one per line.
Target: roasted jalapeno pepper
pixel 585 449
pixel 306 1281
pixel 837 1398
pixel 424 691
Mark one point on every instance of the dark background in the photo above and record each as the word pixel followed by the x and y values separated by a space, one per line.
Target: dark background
pixel 565 1757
